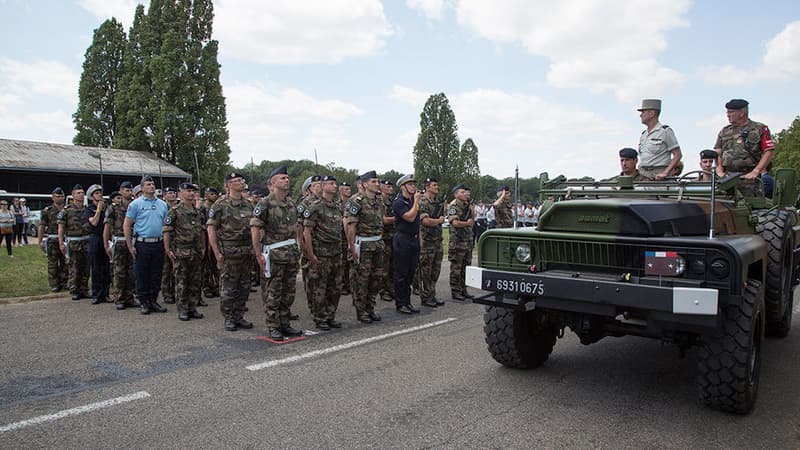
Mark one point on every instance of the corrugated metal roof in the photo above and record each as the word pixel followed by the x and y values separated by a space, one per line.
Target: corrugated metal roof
pixel 45 157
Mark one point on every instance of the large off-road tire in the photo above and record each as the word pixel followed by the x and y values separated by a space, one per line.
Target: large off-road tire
pixel 775 227
pixel 518 339
pixel 728 363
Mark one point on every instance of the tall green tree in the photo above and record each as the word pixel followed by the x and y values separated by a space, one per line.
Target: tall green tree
pixel 436 153
pixel 96 116
pixel 468 165
pixel 787 146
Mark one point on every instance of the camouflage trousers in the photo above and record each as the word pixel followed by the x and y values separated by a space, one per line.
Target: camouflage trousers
pixel 124 281
pixel 188 264
pixel 79 267
pixel 387 283
pixel 366 277
pixel 430 266
pixel 168 280
pixel 57 270
pixel 324 287
pixel 751 188
pixel 235 281
pixel 345 262
pixel 460 257
pixel 277 293
pixel 210 274
pixel 304 266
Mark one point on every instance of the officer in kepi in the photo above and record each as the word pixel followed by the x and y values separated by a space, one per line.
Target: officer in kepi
pixel 744 146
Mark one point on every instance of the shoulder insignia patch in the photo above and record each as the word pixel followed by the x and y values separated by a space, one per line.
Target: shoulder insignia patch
pixel 257 211
pixel 60 215
pixel 451 211
pixel 168 220
pixel 300 209
pixel 307 213
pixel 211 213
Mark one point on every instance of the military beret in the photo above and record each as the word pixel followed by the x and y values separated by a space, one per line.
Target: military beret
pixel 316 178
pixel 368 175
pixel 344 183
pixel 430 180
pixel 457 187
pixel 628 152
pixel 170 189
pixel 115 194
pixel 146 178
pixel 230 176
pixel 387 183
pixel 280 170
pixel 58 191
pixel 708 154
pixel 212 190
pixel 190 186
pixel 503 188
pixel 328 178
pixel 137 189
pixel 736 103
pixel 126 185
pixel 92 189
pixel 406 179
pixel 77 187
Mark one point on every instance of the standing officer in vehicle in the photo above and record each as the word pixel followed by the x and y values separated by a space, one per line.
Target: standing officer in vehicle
pixel 229 238
pixel 322 228
pixel 406 243
pixel 184 245
pixel 114 240
pixel 744 146
pixel 142 227
pixel 57 270
pixel 659 151
pixel 431 214
pixel 73 240
pixel 274 236
pixel 363 217
pixel 459 252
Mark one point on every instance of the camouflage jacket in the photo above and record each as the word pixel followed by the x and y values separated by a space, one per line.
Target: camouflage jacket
pixel 433 209
pixel 231 218
pixel 49 219
pixel 366 213
pixel 185 224
pixel 743 146
pixel 75 223
pixel 115 218
pixel 638 177
pixel 504 214
pixel 388 229
pixel 461 237
pixel 278 220
pixel 304 203
pixel 325 220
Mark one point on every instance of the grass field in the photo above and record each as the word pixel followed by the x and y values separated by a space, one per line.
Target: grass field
pixel 24 274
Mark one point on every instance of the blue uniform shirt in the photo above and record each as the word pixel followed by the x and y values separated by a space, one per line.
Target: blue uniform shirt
pixel 148 216
pixel 400 206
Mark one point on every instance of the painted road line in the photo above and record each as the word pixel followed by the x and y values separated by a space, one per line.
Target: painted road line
pixel 349 345
pixel 74 411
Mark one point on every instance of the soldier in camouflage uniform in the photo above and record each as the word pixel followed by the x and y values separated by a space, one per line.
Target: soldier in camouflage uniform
pixel 364 214
pixel 503 208
pixel 210 269
pixel 73 240
pixel 459 252
pixel 322 222
pixel 431 219
pixel 184 245
pixel 311 190
pixel 168 274
pixel 344 195
pixel 628 159
pixel 229 238
pixel 387 285
pixel 275 233
pixel 57 270
pixel 114 239
pixel 744 146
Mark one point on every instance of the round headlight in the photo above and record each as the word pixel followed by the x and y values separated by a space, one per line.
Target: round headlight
pixel 524 253
pixel 719 268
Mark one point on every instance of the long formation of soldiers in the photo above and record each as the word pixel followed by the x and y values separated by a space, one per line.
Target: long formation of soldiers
pixel 368 244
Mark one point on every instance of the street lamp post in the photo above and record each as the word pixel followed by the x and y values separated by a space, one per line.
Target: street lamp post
pixel 99 156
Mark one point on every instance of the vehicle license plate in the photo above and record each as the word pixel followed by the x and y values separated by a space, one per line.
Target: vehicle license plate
pixel 526 287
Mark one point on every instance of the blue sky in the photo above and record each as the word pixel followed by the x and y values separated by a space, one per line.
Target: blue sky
pixel 549 86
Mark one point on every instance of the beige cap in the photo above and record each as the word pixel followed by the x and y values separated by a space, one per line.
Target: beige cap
pixel 650 103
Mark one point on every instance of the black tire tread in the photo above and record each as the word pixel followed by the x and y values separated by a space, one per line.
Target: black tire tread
pixel 774 227
pixel 515 340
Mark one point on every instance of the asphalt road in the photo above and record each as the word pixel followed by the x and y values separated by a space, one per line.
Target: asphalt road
pixel 73 375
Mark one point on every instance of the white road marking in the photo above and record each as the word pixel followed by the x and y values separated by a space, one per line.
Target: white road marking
pixel 349 345
pixel 74 411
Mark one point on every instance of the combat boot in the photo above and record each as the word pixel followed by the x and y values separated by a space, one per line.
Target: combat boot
pixel 230 325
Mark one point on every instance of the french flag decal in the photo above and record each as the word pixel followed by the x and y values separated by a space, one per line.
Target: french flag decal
pixel 663 263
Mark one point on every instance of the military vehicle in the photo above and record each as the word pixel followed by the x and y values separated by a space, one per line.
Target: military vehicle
pixel 690 263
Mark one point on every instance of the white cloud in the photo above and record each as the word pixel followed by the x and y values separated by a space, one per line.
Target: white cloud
pixel 122 10
pixel 409 96
pixel 38 77
pixel 277 122
pixel 297 32
pixel 604 45
pixel 781 61
pixel 53 126
pixel 432 9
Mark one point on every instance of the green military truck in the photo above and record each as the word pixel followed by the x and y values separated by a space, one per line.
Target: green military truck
pixel 687 262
